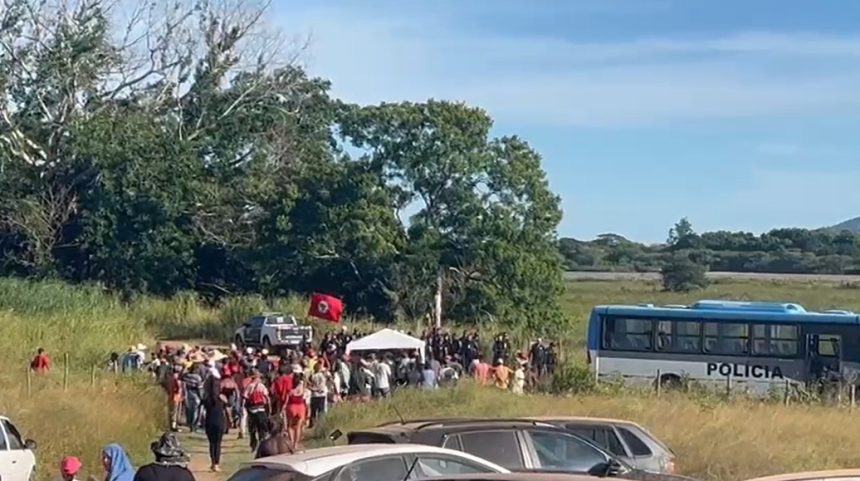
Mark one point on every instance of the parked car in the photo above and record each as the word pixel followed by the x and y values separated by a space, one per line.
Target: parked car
pixel 624 439
pixel 375 462
pixel 273 330
pixel 17 460
pixel 519 445
pixel 832 475
pixel 517 477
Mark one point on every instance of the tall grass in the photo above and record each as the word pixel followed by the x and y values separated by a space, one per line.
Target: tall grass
pixel 85 417
pixel 712 441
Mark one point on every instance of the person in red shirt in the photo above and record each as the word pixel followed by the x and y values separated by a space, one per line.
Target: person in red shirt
pixel 41 364
pixel 281 389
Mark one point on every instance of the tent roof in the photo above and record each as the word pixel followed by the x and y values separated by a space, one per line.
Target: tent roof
pixel 384 340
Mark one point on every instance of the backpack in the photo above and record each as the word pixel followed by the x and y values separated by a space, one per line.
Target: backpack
pixel 192 381
pixel 257 396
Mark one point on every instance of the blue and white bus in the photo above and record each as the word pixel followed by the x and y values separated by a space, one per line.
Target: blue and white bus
pixel 755 344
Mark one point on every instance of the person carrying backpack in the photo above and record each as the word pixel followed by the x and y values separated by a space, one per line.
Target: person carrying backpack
pixel 257 403
pixel 192 383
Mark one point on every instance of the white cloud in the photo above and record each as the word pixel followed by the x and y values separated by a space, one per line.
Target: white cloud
pixel 373 56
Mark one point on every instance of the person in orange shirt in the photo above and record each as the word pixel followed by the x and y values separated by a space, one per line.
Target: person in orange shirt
pixel 482 371
pixel 501 375
pixel 173 386
pixel 41 364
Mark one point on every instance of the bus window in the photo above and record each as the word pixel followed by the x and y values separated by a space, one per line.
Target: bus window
pixel 688 336
pixel 628 334
pixel 828 345
pixel 679 336
pixel 726 338
pixel 664 335
pixel 775 340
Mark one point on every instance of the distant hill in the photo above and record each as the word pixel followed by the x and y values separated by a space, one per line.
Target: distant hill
pixel 852 225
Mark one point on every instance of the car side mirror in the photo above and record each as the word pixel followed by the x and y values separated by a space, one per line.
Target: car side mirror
pixel 610 468
pixel 247 324
pixel 30 444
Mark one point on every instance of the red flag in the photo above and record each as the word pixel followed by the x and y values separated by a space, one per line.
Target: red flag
pixel 326 307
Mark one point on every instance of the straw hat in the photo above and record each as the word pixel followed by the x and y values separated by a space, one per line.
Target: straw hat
pixel 217 356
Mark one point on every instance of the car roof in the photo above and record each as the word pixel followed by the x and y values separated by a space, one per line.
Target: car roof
pixel 522 476
pixel 315 462
pixel 582 419
pixel 833 473
pixel 419 424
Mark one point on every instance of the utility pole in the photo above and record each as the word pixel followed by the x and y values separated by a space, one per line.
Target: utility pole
pixel 437 311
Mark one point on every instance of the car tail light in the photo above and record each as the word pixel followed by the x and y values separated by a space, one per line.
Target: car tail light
pixel 670 466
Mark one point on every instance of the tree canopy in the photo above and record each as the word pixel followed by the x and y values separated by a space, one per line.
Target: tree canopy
pixel 788 250
pixel 173 145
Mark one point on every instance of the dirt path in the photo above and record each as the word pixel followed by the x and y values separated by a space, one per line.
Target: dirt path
pixel 233 452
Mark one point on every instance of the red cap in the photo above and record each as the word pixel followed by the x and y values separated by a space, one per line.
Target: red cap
pixel 70 465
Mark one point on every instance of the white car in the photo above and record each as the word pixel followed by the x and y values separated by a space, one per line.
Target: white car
pixel 273 329
pixel 17 461
pixel 365 462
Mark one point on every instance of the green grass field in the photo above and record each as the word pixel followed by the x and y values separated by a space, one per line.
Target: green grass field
pixel 714 441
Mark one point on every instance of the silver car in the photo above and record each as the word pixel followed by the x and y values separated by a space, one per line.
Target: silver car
pixel 626 440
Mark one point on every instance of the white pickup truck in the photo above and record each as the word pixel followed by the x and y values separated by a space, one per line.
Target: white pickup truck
pixel 273 330
pixel 17 460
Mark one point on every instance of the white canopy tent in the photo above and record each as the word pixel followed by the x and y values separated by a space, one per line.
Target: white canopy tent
pixel 387 340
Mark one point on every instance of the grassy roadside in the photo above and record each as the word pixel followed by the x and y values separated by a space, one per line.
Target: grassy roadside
pixel 713 441
pixel 81 419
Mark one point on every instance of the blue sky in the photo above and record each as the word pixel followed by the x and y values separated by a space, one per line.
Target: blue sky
pixel 738 115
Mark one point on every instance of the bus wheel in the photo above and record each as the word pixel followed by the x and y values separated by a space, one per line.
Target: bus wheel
pixel 671 382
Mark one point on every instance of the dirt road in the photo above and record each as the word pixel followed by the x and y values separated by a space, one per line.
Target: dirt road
pixel 233 453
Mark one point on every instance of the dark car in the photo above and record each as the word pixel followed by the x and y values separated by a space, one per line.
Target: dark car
pixel 518 445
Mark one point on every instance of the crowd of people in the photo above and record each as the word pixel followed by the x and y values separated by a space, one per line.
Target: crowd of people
pixel 271 398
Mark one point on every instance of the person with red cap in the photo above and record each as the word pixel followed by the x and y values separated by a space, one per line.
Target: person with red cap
pixel 69 468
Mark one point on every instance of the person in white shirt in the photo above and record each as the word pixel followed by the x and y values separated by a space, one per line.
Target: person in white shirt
pixel 319 392
pixel 382 373
pixel 518 387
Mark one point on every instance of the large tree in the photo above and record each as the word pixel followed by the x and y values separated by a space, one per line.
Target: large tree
pixel 484 217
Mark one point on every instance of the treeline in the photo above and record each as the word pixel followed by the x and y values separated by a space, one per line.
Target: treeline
pixel 791 250
pixel 176 145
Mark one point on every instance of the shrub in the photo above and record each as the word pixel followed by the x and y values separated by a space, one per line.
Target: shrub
pixel 682 274
pixel 572 379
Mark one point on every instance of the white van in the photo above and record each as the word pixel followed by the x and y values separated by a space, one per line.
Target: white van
pixel 17 461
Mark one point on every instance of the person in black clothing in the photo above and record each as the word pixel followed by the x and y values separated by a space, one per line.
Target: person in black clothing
pixel 537 357
pixel 171 462
pixel 216 425
pixel 551 359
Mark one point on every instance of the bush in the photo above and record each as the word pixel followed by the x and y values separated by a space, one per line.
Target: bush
pixel 682 274
pixel 572 379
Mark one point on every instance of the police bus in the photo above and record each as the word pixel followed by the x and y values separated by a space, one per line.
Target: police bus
pixel 754 344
